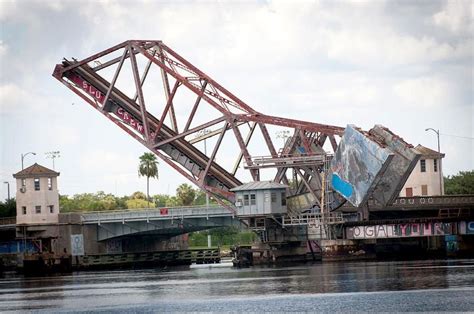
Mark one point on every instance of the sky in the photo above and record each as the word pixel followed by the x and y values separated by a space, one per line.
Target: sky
pixel 407 65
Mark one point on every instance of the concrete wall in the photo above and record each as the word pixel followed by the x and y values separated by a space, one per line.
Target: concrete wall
pixel 430 178
pixel 31 198
pixel 70 225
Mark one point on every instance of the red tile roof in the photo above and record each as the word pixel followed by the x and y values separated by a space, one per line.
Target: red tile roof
pixel 36 171
pixel 427 152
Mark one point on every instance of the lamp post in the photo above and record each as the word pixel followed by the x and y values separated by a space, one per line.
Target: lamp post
pixel 8 189
pixel 23 157
pixel 439 163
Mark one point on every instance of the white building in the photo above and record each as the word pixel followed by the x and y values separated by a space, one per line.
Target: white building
pixel 37 197
pixel 425 177
pixel 260 198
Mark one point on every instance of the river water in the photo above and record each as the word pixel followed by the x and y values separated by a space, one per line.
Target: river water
pixel 441 285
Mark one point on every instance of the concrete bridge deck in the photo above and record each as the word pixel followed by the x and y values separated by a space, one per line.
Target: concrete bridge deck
pixel 163 222
pixel 151 214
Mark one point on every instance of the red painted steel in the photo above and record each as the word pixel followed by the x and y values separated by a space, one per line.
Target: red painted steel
pixel 171 142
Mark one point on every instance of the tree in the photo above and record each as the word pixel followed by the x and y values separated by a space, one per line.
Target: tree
pixel 160 200
pixel 462 183
pixel 89 202
pixel 138 195
pixel 8 208
pixel 185 194
pixel 148 168
pixel 200 198
pixel 137 203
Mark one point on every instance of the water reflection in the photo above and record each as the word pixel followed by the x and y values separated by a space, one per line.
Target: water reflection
pixel 175 289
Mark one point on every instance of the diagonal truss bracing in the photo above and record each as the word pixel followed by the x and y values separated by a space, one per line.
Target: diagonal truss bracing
pixel 174 130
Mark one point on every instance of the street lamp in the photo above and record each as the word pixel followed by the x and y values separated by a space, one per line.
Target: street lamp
pixel 8 189
pixel 439 156
pixel 53 155
pixel 23 157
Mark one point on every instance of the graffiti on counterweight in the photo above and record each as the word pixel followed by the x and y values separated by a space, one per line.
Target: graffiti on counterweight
pixel 400 230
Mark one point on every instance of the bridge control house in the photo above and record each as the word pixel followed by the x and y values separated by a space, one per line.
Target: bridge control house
pixel 260 198
pixel 37 206
pixel 37 195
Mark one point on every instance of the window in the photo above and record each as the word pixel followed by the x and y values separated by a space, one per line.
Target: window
pixel 23 182
pixel 38 209
pixel 23 209
pixel 435 164
pixel 409 192
pixel 283 199
pixel 50 183
pixel 253 200
pixel 37 184
pixel 246 200
pixel 424 189
pixel 267 197
pixel 423 165
pixel 274 197
pixel 51 209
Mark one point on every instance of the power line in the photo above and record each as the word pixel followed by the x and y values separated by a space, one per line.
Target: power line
pixel 466 137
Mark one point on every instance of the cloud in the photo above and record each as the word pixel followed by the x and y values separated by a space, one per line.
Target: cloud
pixel 12 97
pixel 106 162
pixel 424 92
pixel 328 62
pixel 456 16
pixel 3 48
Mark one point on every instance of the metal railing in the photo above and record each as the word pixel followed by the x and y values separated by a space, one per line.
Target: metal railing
pixel 164 213
pixel 313 219
pixel 284 161
pixel 7 220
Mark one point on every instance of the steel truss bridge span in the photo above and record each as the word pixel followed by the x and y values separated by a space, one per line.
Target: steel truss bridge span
pixel 212 112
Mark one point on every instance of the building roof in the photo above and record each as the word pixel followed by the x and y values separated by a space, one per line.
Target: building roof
pixel 427 152
pixel 259 185
pixel 35 171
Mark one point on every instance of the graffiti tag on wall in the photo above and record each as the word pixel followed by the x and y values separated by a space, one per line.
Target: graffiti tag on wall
pixel 400 230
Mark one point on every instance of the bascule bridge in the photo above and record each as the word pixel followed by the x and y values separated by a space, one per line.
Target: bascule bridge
pixel 324 174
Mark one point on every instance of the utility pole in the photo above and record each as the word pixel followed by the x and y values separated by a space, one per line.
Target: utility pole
pixel 8 189
pixel 53 155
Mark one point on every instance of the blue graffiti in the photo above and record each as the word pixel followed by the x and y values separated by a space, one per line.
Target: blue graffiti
pixel 343 187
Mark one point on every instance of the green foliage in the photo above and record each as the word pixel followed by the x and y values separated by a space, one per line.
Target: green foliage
pixel 88 202
pixel 122 202
pixel 172 202
pixel 8 208
pixel 137 203
pixel 200 198
pixel 185 194
pixel 148 166
pixel 462 183
pixel 160 200
pixel 138 195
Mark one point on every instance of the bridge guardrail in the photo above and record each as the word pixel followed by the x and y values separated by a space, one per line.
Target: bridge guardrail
pixel 424 201
pixel 313 219
pixel 7 220
pixel 164 213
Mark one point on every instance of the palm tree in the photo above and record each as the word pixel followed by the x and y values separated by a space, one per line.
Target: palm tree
pixel 148 168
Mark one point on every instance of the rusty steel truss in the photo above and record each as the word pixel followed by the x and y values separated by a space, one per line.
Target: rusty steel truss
pixel 175 129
